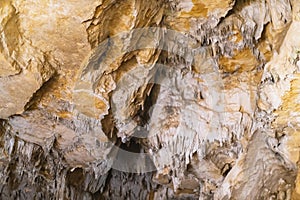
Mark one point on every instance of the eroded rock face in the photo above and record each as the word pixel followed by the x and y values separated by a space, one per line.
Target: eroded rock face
pixel 149 99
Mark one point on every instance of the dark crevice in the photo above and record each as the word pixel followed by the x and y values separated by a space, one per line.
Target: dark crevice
pixel 143 114
pixel 75 177
pixel 131 146
pixel 229 13
pixel 129 152
pixel 226 169
pixel 37 96
pixel 108 126
pixel 122 185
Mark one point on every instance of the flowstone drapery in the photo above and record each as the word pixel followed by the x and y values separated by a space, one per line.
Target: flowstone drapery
pixel 131 99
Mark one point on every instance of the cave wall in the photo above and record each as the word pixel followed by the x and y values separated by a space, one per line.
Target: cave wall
pixel 124 99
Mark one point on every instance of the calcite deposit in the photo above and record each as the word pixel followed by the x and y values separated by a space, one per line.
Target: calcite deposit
pixel 157 99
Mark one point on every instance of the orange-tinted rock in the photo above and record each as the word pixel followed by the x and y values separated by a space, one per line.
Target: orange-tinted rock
pixel 204 93
pixel 241 61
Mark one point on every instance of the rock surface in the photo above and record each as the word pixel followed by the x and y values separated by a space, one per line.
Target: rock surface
pixel 167 99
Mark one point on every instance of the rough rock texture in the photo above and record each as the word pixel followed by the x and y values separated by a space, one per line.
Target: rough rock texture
pixel 157 99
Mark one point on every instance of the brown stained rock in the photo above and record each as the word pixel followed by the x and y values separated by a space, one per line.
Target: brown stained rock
pixel 184 16
pixel 242 60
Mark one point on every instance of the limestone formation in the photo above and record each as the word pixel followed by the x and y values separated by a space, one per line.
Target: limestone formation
pixel 157 99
